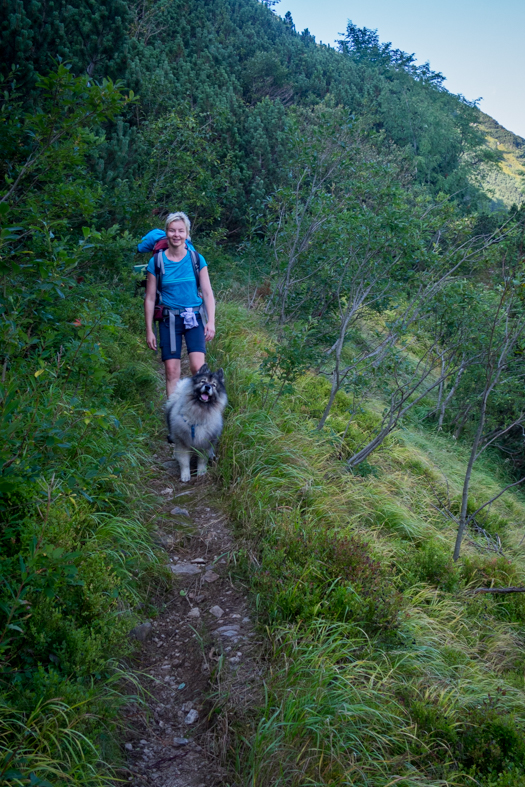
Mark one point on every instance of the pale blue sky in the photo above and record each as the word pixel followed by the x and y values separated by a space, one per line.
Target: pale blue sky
pixel 478 45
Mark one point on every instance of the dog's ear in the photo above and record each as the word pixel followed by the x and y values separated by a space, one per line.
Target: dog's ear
pixel 204 369
pixel 220 374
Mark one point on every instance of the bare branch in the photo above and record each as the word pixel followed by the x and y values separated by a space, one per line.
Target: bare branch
pixel 492 499
pixel 498 590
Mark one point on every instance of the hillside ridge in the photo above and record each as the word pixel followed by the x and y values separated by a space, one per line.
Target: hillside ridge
pixel 505 185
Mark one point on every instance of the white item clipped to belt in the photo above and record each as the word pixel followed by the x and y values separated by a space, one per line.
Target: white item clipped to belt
pixel 190 318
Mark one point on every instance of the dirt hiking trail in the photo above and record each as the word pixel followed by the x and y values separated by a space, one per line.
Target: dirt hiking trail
pixel 201 649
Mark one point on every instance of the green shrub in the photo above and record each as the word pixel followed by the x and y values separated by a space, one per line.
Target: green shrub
pixel 431 563
pixel 322 575
pixel 492 740
pixel 74 402
pixel 433 723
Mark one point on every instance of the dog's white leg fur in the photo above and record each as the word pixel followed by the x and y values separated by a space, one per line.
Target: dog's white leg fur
pixel 202 464
pixel 183 458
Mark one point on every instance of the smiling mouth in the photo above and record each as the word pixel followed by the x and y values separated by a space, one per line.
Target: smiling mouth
pixel 204 397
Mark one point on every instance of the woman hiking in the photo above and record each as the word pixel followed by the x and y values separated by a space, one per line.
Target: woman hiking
pixel 180 306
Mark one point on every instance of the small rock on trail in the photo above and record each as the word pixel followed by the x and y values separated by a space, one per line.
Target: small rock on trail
pixel 185 568
pixel 142 632
pixel 177 511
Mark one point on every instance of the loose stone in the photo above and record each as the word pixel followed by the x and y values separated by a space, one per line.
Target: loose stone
pixel 142 632
pixel 192 716
pixel 228 631
pixel 185 568
pixel 177 511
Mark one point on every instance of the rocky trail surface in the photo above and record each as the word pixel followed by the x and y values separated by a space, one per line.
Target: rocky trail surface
pixel 198 656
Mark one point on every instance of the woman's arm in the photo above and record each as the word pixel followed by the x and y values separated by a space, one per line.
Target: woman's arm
pixel 149 307
pixel 209 302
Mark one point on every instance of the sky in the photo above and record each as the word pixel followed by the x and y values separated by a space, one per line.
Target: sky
pixel 478 45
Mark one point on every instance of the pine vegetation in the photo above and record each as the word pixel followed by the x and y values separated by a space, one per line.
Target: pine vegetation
pixel 372 327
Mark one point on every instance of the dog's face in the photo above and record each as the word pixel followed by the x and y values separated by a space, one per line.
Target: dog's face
pixel 208 386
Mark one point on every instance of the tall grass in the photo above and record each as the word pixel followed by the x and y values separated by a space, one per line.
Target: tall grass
pixel 385 669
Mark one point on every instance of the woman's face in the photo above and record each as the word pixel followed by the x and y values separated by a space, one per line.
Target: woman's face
pixel 176 233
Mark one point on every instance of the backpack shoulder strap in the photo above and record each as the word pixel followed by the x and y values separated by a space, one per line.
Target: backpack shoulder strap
pixel 158 261
pixel 196 264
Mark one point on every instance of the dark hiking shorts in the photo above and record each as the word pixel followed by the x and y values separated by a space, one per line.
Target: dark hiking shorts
pixel 194 337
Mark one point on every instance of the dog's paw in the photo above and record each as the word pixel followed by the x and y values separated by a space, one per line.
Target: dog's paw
pixel 185 477
pixel 202 471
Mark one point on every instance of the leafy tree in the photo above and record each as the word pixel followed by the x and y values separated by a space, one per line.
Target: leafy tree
pixel 410 101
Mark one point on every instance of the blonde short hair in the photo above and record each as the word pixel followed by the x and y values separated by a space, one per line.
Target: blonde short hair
pixel 179 216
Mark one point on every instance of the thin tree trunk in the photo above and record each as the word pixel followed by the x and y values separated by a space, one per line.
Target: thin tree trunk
pixel 450 395
pixel 499 590
pixel 457 433
pixel 361 455
pixel 333 394
pixel 468 474
pixel 442 384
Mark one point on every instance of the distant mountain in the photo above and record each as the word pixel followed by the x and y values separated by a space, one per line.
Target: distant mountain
pixel 506 183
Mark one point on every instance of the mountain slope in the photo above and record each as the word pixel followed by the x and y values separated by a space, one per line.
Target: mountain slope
pixel 506 184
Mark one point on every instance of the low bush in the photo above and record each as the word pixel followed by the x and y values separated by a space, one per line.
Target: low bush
pixel 492 740
pixel 72 557
pixel 310 575
pixel 430 562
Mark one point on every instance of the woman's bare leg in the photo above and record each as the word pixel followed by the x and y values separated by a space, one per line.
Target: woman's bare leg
pixel 172 367
pixel 196 361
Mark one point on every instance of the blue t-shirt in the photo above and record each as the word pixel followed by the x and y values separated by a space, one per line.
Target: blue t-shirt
pixel 179 288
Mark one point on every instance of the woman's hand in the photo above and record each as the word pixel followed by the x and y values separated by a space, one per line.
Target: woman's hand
pixel 151 340
pixel 209 331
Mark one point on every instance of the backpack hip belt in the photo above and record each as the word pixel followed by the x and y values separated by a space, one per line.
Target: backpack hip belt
pixel 170 315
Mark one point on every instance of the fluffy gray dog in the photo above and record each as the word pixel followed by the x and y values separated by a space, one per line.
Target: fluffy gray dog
pixel 194 415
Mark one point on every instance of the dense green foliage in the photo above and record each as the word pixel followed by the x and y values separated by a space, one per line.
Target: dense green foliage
pixel 335 190
pixel 230 67
pixel 74 391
